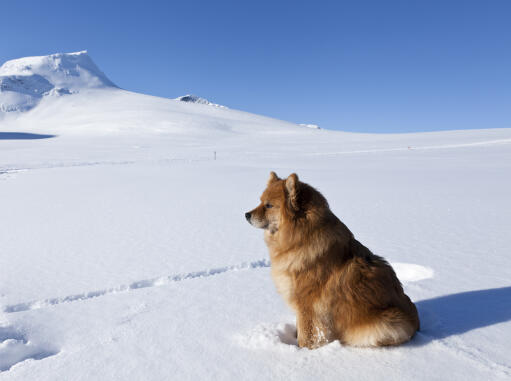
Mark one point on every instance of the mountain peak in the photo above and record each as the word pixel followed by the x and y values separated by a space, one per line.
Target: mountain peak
pixel 24 81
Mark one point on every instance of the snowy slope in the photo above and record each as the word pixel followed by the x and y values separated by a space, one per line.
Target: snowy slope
pixel 25 81
pixel 125 254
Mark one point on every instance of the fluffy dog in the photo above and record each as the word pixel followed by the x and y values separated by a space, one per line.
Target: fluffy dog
pixel 337 287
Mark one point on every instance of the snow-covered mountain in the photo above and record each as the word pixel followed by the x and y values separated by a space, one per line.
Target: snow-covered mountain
pixel 73 95
pixel 67 93
pixel 25 81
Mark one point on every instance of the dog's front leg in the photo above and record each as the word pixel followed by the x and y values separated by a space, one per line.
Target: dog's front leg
pixel 305 330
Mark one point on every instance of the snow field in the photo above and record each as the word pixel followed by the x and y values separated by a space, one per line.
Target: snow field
pixel 125 254
pixel 126 290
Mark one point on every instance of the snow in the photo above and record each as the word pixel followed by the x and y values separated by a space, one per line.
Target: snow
pixel 24 81
pixel 315 126
pixel 125 253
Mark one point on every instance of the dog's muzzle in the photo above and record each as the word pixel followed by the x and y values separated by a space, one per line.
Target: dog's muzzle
pixel 248 215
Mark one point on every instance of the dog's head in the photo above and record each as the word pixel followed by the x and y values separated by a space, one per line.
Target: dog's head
pixel 284 200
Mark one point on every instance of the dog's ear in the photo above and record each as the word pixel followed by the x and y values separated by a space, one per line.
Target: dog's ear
pixel 292 191
pixel 273 178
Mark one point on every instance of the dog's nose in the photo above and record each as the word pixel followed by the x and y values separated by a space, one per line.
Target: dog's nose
pixel 247 216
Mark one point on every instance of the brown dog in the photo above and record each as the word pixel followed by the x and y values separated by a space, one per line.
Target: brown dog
pixel 337 287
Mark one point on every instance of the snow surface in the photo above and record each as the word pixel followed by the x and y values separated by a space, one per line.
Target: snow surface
pixel 24 81
pixel 315 126
pixel 125 253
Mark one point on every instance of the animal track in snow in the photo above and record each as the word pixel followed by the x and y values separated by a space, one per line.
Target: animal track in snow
pixel 406 273
pixel 9 173
pixel 145 283
pixel 15 348
pixel 52 165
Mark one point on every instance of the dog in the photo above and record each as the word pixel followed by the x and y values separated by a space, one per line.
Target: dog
pixel 337 287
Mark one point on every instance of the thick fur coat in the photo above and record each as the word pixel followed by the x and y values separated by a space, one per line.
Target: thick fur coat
pixel 338 288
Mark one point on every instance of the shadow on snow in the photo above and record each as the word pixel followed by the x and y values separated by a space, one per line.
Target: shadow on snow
pixel 455 314
pixel 23 136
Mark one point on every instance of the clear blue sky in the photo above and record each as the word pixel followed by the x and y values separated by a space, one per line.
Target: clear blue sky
pixel 370 66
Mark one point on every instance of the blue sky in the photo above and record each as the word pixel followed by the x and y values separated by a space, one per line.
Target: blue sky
pixel 368 66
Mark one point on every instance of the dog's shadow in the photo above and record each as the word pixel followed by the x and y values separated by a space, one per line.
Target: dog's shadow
pixel 455 314
pixel 447 315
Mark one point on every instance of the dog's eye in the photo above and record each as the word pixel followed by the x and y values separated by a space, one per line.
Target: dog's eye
pixel 268 206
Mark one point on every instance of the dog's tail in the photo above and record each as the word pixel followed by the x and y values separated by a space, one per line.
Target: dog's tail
pixel 391 327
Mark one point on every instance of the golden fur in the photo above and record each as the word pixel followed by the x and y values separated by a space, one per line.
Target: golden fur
pixel 337 287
